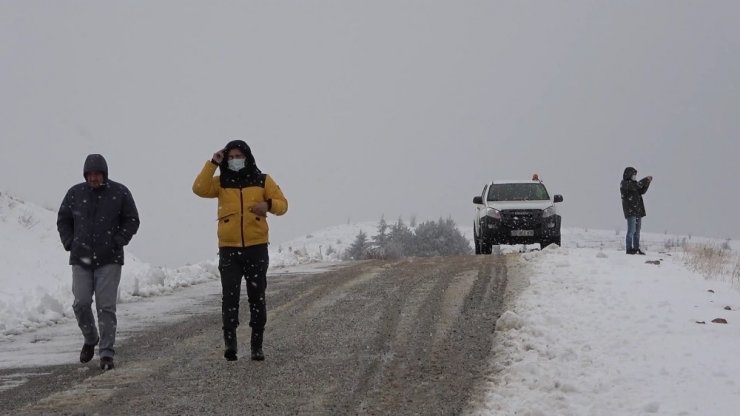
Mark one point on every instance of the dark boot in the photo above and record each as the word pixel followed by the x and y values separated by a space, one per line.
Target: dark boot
pixel 88 351
pixel 638 251
pixel 106 363
pixel 256 344
pixel 230 344
pixel 630 251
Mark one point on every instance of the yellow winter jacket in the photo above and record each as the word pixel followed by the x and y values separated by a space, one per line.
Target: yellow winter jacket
pixel 237 226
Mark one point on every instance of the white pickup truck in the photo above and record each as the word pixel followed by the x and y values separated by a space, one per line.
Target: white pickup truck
pixel 515 212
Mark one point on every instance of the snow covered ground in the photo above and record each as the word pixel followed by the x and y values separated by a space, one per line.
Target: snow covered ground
pixel 35 278
pixel 596 332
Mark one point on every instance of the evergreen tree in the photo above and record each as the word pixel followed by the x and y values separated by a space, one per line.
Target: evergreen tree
pixel 430 238
pixel 440 239
pixel 380 238
pixel 359 248
pixel 400 241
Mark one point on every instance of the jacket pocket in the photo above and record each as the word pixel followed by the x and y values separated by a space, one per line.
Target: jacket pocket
pixel 256 228
pixel 229 228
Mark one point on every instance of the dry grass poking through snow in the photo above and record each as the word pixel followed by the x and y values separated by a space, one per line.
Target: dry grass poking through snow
pixel 714 261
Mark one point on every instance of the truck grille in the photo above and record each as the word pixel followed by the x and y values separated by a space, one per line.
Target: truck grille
pixel 520 219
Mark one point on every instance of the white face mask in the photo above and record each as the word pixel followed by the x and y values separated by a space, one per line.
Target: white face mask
pixel 236 164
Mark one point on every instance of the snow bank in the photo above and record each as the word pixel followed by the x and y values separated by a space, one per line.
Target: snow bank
pixel 599 332
pixel 36 280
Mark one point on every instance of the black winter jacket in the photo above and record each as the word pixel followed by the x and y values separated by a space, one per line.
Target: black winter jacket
pixel 95 224
pixel 632 192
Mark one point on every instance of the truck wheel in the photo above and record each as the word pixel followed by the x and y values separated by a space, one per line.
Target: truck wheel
pixel 485 247
pixel 495 247
pixel 545 243
pixel 476 242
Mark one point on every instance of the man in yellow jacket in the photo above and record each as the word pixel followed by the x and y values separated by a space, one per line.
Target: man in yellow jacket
pixel 245 196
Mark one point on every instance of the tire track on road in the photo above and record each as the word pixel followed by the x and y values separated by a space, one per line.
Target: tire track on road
pixel 374 337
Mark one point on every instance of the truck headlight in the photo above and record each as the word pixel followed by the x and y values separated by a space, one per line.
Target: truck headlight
pixel 493 213
pixel 548 212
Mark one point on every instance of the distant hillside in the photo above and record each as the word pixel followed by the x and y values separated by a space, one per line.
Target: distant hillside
pixel 319 246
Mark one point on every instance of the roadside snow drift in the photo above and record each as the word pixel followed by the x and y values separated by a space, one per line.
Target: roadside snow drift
pixel 36 279
pixel 598 332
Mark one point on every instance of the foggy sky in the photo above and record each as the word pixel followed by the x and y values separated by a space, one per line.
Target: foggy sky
pixel 366 108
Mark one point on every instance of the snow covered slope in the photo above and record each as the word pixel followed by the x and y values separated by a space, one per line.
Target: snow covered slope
pixel 36 280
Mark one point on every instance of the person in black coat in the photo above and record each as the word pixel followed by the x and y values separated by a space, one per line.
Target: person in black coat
pixel 633 207
pixel 96 220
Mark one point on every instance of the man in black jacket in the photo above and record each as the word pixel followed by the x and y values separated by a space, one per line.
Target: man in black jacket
pixel 96 219
pixel 633 207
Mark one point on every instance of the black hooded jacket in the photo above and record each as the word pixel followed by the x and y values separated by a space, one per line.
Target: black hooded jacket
pixel 95 224
pixel 632 192
pixel 250 175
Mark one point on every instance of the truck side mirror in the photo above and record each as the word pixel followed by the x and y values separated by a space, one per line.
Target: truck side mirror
pixel 558 198
pixel 478 200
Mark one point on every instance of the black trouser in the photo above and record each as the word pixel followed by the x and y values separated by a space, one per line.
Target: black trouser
pixel 250 263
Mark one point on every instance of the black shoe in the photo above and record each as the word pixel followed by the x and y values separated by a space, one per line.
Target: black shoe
pixel 230 345
pixel 258 355
pixel 629 251
pixel 638 251
pixel 88 351
pixel 106 363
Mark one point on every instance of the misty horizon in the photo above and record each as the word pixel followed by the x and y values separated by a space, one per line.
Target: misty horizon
pixel 359 110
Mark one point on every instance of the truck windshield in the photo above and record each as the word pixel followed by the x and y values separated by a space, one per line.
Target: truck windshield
pixel 518 192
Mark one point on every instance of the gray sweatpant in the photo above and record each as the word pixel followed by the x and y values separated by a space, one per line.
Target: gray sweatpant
pixel 103 282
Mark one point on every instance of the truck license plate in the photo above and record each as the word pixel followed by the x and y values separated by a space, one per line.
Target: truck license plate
pixel 522 233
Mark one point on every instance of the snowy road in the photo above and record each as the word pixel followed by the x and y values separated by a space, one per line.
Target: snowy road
pixel 412 336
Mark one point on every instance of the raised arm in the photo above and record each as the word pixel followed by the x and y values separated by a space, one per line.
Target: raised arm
pixel 206 185
pixel 644 184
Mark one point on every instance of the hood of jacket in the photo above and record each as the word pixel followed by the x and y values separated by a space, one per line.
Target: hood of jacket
pixel 248 176
pixel 244 147
pixel 95 163
pixel 628 173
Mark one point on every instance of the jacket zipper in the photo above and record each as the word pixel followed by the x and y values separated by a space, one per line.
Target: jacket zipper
pixel 94 200
pixel 241 206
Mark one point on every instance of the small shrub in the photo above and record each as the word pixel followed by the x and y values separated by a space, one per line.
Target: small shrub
pixel 27 220
pixel 726 245
pixel 672 243
pixel 713 261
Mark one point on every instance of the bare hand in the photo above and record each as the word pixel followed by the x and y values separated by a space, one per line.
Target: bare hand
pixel 650 178
pixel 218 157
pixel 259 208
